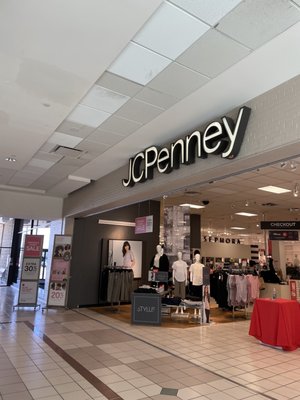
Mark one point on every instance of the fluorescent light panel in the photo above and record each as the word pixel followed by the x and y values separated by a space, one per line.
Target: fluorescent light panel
pixel 191 205
pixel 238 228
pixel 274 189
pixel 246 214
pixel 170 31
pixel 118 223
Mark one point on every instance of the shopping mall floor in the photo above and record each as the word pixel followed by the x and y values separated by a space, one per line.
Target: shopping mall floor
pixel 80 354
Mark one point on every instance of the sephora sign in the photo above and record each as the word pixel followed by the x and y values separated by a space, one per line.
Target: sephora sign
pixel 220 138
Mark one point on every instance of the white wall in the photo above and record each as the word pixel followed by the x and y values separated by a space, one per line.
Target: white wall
pixel 30 206
pixel 227 250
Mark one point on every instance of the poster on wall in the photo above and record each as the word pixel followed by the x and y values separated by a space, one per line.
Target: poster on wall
pixel 28 293
pixel 60 271
pixel 115 255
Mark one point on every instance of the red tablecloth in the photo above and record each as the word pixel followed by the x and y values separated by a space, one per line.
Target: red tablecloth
pixel 276 322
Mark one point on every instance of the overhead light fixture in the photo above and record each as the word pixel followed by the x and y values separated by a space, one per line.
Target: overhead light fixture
pixel 238 228
pixel 283 164
pixel 191 205
pixel 296 190
pixel 274 189
pixel 247 204
pixel 246 214
pixel 116 223
pixel 11 159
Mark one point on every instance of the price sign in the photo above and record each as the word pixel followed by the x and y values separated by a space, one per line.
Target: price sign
pixel 30 269
pixel 57 294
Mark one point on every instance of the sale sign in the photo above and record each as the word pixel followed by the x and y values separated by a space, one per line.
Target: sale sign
pixel 57 294
pixel 33 245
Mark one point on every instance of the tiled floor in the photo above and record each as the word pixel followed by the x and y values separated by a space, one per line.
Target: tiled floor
pixel 80 354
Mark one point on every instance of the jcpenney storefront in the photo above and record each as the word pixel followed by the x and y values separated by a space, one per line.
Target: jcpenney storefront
pixel 265 128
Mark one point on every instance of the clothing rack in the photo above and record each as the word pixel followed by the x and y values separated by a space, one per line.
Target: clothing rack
pixel 116 285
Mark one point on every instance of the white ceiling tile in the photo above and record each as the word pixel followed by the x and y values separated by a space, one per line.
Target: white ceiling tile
pixel 74 129
pixel 170 31
pixel 156 98
pixel 104 99
pixel 108 138
pixel 255 22
pixel 147 64
pixel 119 125
pixel 64 140
pixel 209 11
pixel 66 186
pixel 139 111
pixel 44 164
pixel 84 115
pixel 92 147
pixel 213 53
pixel 178 81
pixel 42 155
pixel 119 84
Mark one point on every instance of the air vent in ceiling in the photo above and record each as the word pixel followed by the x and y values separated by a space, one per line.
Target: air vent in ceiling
pixel 67 151
pixel 269 204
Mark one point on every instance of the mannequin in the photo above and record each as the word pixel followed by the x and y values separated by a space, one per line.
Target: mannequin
pixel 179 275
pixel 160 260
pixel 196 279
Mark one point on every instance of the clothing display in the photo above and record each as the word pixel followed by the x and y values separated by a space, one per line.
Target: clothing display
pixel 179 269
pixel 116 284
pixel 242 289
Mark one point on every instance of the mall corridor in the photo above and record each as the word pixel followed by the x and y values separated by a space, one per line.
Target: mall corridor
pixel 80 354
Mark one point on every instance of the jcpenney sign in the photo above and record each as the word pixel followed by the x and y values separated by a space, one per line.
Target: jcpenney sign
pixel 220 138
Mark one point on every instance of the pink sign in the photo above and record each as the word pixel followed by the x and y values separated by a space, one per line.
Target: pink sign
pixel 33 245
pixel 144 224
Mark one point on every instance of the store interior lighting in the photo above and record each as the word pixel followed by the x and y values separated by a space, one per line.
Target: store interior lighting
pixel 274 189
pixel 197 206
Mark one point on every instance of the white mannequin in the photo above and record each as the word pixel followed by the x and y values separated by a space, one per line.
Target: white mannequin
pixel 196 275
pixel 159 253
pixel 179 275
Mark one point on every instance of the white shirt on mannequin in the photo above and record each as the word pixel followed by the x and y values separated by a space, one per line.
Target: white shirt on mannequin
pixel 179 268
pixel 196 272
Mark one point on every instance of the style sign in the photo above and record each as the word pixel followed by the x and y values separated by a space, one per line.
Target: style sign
pixel 30 269
pixel 144 224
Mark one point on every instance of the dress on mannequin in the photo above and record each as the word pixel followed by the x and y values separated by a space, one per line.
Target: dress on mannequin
pixel 179 274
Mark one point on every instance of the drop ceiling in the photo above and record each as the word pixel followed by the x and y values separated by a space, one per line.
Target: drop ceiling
pixel 86 84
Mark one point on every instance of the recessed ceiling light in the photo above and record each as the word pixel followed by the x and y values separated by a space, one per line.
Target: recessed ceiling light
pixel 246 214
pixel 238 228
pixel 191 205
pixel 11 159
pixel 274 189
